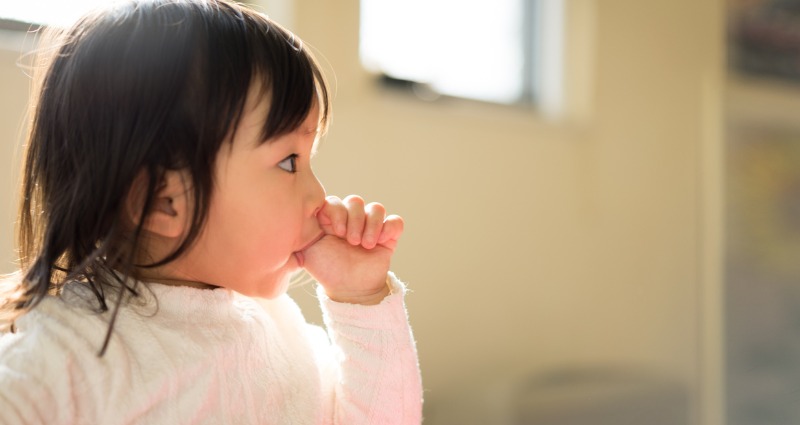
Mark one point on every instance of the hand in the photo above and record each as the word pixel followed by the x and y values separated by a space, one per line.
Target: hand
pixel 352 259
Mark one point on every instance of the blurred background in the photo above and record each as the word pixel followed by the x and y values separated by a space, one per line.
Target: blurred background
pixel 602 197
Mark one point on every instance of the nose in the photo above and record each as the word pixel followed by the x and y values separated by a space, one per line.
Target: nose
pixel 316 195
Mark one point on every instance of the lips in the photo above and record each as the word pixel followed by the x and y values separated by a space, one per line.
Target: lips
pixel 299 255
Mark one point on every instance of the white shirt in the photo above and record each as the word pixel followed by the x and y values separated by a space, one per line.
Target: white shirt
pixel 210 357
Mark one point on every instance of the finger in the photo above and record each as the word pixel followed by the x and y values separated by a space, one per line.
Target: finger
pixel 332 217
pixel 373 224
pixel 355 218
pixel 393 227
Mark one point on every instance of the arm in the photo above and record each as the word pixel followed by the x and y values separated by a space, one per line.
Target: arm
pixel 379 378
pixel 378 374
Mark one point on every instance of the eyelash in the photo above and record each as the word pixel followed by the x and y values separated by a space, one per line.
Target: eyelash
pixel 292 163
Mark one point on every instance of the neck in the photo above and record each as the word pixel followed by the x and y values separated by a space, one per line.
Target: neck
pixel 177 282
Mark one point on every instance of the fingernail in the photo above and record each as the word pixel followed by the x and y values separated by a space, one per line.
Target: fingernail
pixel 340 229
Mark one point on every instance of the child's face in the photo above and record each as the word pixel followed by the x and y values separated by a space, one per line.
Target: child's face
pixel 262 210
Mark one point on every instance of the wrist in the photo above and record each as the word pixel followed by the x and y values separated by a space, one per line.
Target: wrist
pixel 362 298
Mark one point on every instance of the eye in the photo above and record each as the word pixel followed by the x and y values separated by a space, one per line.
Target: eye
pixel 289 164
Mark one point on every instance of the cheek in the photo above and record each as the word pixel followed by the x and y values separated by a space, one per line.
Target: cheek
pixel 260 232
pixel 255 221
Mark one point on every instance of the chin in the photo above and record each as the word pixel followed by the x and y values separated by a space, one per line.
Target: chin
pixel 270 288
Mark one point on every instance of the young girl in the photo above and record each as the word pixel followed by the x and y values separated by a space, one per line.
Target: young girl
pixel 168 180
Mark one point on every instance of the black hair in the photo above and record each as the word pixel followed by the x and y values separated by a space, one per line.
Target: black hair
pixel 143 86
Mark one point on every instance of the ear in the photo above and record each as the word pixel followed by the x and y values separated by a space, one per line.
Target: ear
pixel 169 210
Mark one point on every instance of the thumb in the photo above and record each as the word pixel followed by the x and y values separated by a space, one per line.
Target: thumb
pixel 332 217
pixel 325 222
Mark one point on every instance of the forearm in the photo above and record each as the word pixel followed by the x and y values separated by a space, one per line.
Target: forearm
pixel 379 377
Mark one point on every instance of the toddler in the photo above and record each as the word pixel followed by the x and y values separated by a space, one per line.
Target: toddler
pixel 167 182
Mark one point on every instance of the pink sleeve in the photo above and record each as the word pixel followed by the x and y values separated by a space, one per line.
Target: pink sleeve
pixel 378 376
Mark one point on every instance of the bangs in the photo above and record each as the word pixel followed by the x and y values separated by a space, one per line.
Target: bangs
pixel 234 46
pixel 289 77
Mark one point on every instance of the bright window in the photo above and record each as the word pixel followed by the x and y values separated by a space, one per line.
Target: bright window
pixel 497 51
pixel 48 12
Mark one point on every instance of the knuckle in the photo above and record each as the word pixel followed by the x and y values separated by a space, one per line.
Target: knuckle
pixel 354 200
pixel 375 207
pixel 397 221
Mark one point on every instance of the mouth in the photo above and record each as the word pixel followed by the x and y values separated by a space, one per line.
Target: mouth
pixel 299 254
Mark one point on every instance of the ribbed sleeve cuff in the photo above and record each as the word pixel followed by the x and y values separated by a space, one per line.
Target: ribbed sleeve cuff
pixel 390 313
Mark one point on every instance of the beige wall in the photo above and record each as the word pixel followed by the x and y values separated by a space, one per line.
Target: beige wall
pixel 531 245
pixel 13 98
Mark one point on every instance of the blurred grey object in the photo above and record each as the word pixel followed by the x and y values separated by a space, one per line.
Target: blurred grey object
pixel 568 396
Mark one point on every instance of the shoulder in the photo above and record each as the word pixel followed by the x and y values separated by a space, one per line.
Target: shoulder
pixel 52 327
pixel 60 338
pixel 51 354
